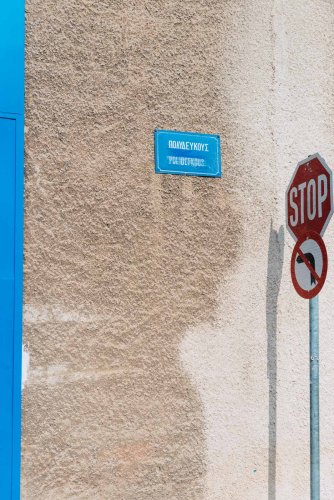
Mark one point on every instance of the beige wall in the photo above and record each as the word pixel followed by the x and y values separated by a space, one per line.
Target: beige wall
pixel 166 354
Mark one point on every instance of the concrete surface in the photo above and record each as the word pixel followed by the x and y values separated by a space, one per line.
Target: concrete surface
pixel 166 353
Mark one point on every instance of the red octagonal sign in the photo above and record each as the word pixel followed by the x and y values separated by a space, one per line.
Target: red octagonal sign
pixel 309 197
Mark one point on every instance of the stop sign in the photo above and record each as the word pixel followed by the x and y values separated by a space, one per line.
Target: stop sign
pixel 309 197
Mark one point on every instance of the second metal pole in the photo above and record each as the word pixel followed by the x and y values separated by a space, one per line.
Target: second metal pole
pixel 314 398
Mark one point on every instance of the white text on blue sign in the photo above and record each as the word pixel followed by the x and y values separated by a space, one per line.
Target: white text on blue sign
pixel 187 153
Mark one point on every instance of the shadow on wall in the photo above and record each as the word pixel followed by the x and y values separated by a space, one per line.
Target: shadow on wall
pixel 274 275
pixel 120 262
pixel 119 404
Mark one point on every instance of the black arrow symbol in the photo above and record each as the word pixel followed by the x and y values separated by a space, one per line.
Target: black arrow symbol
pixel 310 257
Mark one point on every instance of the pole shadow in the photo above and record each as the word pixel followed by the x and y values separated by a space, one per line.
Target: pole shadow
pixel 274 276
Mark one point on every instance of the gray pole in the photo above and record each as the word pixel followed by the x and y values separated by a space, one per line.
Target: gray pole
pixel 314 397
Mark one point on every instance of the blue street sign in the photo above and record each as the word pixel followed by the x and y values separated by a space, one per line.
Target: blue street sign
pixel 187 153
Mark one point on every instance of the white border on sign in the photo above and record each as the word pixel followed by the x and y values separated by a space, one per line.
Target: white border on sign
pixel 324 164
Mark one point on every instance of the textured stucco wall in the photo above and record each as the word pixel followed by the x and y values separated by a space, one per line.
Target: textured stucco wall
pixel 166 354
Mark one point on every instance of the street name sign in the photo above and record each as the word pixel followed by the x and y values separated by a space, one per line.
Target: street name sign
pixel 187 153
pixel 309 265
pixel 309 197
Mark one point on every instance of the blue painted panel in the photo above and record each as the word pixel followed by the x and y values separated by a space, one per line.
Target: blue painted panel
pixel 11 56
pixel 187 153
pixel 18 297
pixel 11 242
pixel 7 275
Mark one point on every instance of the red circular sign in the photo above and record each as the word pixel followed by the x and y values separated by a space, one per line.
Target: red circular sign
pixel 309 197
pixel 309 265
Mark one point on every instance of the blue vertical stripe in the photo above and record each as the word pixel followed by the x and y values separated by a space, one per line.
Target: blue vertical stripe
pixel 11 242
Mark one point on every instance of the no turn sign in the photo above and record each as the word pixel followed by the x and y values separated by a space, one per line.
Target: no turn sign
pixel 309 265
pixel 309 197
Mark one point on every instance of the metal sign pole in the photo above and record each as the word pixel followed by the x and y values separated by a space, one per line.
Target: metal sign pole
pixel 314 397
pixel 309 263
